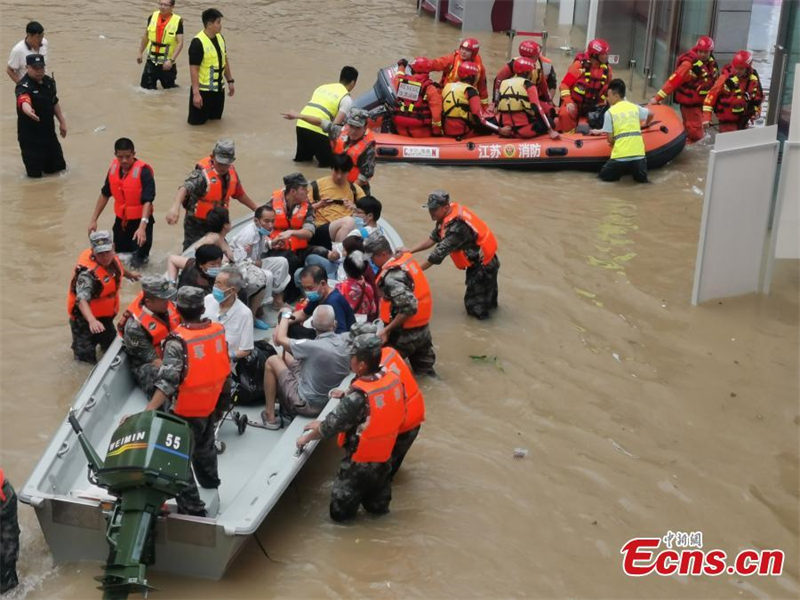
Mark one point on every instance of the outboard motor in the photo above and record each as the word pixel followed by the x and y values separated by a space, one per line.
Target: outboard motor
pixel 381 93
pixel 147 462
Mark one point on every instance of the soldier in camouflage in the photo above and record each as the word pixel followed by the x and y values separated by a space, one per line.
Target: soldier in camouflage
pixel 366 484
pixel 9 536
pixel 144 355
pixel 481 279
pixel 196 186
pixel 414 343
pixel 170 375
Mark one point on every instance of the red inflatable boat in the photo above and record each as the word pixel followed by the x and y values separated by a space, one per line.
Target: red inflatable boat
pixel 664 139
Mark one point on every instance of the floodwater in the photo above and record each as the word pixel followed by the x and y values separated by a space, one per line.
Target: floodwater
pixel 640 413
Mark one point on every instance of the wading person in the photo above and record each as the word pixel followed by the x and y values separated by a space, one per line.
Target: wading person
pixel 160 46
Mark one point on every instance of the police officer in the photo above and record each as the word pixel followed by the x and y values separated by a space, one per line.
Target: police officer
pixel 93 297
pixel 412 395
pixel 367 419
pixel 194 373
pixel 406 306
pixel 9 535
pixel 622 123
pixel 145 325
pixel 213 182
pixel 37 105
pixel 471 245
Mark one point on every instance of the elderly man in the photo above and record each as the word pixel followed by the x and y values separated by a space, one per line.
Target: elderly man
pixel 163 42
pixel 250 245
pixel 37 106
pixel 213 182
pixel 144 326
pixel 406 305
pixel 471 245
pixel 368 419
pixel 308 370
pixel 222 305
pixel 93 297
pixel 353 139
pixel 34 42
pixel 194 373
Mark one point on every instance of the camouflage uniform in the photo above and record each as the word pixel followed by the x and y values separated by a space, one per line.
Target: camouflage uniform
pixel 203 452
pixel 356 483
pixel 141 352
pixel 84 342
pixel 481 280
pixel 9 539
pixel 366 161
pixel 414 343
pixel 401 448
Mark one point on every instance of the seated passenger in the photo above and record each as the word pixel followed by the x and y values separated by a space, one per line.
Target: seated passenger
pixel 201 270
pixel 144 325
pixel 584 87
pixel 461 105
pixel 223 306
pixel 419 100
pixel 542 75
pixel 308 370
pixel 314 282
pixel 360 295
pixel 333 200
pixel 519 112
pixel 219 224
pixel 331 260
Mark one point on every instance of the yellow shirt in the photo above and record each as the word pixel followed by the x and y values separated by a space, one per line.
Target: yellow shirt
pixel 324 188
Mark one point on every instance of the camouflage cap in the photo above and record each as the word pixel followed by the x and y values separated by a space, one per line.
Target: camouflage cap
pixel 158 286
pixel 294 180
pixel 101 241
pixel 365 343
pixel 224 152
pixel 190 297
pixel 436 199
pixel 376 242
pixel 362 329
pixel 357 117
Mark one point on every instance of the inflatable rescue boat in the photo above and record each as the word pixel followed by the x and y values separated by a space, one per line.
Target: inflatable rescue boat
pixel 664 139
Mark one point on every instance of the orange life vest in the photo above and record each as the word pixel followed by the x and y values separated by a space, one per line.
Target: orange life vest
pixel 105 299
pixel 451 76
pixel 155 327
pixel 415 403
pixel 737 96
pixel 284 221
pixel 376 437
pixel 213 196
pixel 703 76
pixel 422 291
pixel 127 191
pixel 2 484
pixel 412 108
pixel 354 151
pixel 591 87
pixel 206 368
pixel 485 238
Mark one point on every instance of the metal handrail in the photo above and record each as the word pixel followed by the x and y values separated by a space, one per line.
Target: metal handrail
pixel 512 33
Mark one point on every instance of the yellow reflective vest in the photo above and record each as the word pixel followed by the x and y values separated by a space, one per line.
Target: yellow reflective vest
pixel 514 96
pixel 455 103
pixel 159 52
pixel 324 104
pixel 211 71
pixel 628 142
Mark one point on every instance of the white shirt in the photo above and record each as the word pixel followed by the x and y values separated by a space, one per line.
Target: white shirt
pixel 237 321
pixel 20 51
pixel 248 243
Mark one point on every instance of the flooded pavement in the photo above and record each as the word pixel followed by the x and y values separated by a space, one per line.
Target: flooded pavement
pixel 640 413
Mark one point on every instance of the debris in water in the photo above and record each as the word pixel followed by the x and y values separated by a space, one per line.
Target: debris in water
pixel 486 358
pixel 697 190
pixel 102 37
pixel 100 128
pixel 619 448
pixel 520 452
pixel 616 356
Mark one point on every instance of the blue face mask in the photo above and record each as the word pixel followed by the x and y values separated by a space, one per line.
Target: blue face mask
pixel 263 231
pixel 212 271
pixel 313 296
pixel 359 222
pixel 218 294
pixel 375 268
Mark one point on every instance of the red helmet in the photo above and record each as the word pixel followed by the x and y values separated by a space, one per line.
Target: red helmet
pixel 742 59
pixel 704 44
pixel 421 64
pixel 529 49
pixel 472 45
pixel 468 69
pixel 597 47
pixel 523 65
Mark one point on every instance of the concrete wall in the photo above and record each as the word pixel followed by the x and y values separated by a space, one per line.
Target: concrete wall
pixel 731 28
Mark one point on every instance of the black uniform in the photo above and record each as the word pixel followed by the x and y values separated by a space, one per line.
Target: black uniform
pixel 9 537
pixel 41 150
